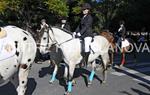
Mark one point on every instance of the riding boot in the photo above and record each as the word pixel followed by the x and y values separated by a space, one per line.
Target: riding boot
pixel 85 59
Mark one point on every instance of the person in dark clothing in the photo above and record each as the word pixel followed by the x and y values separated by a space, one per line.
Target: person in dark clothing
pixel 43 26
pixel 121 33
pixel 84 30
pixel 65 24
pixel 122 30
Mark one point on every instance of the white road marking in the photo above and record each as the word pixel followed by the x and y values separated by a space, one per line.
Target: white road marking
pixel 144 79
pixel 139 70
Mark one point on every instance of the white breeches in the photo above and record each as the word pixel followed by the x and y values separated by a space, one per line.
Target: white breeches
pixel 87 41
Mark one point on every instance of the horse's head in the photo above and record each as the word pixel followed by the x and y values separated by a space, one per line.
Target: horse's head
pixel 53 36
pixel 44 42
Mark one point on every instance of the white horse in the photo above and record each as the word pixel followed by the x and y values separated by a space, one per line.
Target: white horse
pixel 71 49
pixel 15 65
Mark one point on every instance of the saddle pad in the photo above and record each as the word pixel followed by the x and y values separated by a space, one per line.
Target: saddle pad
pixel 7 48
pixel 125 43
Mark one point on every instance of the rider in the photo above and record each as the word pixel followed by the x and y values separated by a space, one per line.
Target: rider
pixel 84 30
pixel 44 25
pixel 65 23
pixel 43 28
pixel 121 32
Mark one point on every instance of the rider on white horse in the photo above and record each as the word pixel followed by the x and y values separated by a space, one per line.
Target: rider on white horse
pixel 84 30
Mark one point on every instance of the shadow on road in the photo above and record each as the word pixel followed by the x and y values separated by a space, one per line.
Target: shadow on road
pixel 138 66
pixel 125 93
pixel 9 88
pixel 139 92
pixel 84 73
pixel 31 86
pixel 132 75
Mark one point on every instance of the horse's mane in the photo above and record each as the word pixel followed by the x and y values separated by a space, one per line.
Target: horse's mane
pixel 65 30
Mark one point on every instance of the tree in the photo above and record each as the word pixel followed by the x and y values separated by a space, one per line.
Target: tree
pixel 58 7
pixel 18 10
pixel 107 10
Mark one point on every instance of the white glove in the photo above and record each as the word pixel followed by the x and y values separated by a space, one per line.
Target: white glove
pixel 119 29
pixel 79 34
pixel 74 34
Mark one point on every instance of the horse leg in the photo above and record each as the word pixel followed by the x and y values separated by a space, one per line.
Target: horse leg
pixel 23 78
pixel 123 57
pixel 14 80
pixel 70 78
pixel 54 72
pixel 134 56
pixel 111 57
pixel 105 61
pixel 104 74
pixel 92 73
pixel 66 72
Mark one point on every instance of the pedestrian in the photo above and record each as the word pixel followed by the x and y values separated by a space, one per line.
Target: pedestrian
pixel 84 30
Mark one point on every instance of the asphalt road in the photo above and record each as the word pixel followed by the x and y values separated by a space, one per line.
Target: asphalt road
pixel 133 79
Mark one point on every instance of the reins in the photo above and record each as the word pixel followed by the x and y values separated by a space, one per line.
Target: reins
pixel 59 44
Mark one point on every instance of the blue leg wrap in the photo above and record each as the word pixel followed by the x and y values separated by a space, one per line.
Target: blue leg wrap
pixel 69 86
pixel 92 75
pixel 53 77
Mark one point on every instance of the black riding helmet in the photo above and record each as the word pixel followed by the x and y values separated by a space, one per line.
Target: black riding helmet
pixel 121 22
pixel 86 6
pixel 43 20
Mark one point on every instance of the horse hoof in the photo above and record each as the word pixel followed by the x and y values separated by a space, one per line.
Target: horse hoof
pixel 67 93
pixel 74 82
pixel 51 82
pixel 103 82
pixel 121 66
pixel 89 84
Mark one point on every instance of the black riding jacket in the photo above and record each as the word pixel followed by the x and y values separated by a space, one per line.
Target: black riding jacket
pixel 85 26
pixel 122 32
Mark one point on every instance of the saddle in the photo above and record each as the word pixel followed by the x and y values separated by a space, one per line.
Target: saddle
pixel 125 43
pixel 3 33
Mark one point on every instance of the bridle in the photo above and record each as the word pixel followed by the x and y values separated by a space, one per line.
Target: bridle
pixel 53 39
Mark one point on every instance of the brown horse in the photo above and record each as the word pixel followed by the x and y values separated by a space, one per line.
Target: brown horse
pixel 127 44
pixel 109 36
